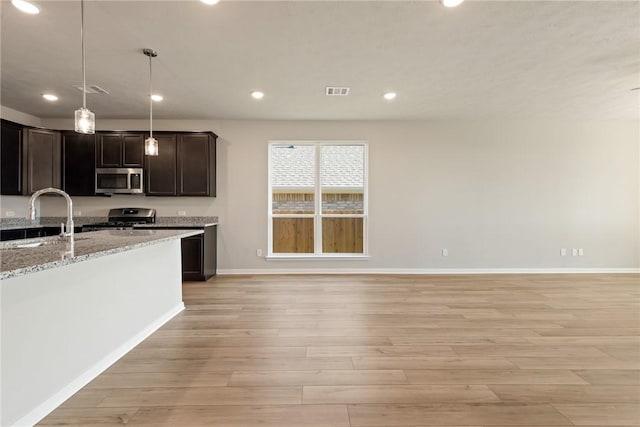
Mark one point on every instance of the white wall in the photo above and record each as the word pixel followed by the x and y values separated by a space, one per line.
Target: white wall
pixel 19 117
pixel 495 194
pixel 15 206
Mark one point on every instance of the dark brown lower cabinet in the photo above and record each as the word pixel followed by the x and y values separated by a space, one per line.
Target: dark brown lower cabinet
pixel 29 233
pixel 199 255
pixel 192 257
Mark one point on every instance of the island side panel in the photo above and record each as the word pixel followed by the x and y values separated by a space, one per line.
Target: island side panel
pixel 62 327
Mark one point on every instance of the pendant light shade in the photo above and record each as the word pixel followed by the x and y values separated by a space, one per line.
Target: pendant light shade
pixel 150 144
pixel 85 120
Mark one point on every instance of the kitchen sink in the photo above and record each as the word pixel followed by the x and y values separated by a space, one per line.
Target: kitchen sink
pixel 38 243
pixel 29 245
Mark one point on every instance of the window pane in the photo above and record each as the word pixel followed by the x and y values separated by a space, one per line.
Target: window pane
pixel 293 235
pixel 342 179
pixel 342 235
pixel 293 179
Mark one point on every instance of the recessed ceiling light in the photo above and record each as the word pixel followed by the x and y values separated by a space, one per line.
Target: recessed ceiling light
pixel 26 6
pixel 157 98
pixel 451 3
pixel 389 96
pixel 257 94
pixel 210 1
pixel 49 97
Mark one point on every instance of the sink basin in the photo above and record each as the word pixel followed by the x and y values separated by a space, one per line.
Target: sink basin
pixel 30 245
pixel 38 243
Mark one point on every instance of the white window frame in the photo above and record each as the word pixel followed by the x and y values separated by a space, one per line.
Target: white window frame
pixel 318 215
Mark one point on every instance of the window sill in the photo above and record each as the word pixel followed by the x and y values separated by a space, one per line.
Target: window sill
pixel 312 257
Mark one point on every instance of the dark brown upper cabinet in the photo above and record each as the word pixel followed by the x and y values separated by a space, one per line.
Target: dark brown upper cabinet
pixel 120 149
pixel 79 164
pixel 160 170
pixel 10 158
pixel 133 150
pixel 196 164
pixel 41 159
pixel 185 165
pixel 32 159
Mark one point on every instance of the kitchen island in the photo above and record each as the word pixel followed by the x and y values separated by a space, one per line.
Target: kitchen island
pixel 66 321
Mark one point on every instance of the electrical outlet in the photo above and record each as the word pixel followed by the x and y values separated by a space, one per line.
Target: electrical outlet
pixel 574 252
pixel 563 252
pixel 10 214
pixel 445 252
pixel 580 252
pixel 182 213
pixel 258 252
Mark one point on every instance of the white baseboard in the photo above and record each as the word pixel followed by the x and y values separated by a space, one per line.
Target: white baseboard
pixel 425 271
pixel 45 408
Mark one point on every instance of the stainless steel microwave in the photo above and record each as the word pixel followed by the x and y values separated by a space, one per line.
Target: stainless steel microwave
pixel 119 181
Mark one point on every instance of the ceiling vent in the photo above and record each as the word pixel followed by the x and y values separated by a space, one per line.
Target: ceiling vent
pixel 337 91
pixel 93 89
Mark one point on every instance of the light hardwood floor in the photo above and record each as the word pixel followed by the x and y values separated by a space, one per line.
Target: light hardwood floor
pixel 279 351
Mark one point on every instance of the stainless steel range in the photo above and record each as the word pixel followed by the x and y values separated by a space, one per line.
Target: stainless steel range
pixel 124 218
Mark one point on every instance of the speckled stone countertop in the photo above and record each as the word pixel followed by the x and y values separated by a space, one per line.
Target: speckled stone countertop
pixel 15 261
pixel 47 221
pixel 54 221
pixel 182 221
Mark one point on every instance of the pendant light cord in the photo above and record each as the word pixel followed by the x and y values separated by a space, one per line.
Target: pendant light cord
pixel 84 77
pixel 150 99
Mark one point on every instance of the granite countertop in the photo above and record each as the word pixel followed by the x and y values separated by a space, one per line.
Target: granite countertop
pixel 47 221
pixel 15 261
pixel 182 221
pixel 161 221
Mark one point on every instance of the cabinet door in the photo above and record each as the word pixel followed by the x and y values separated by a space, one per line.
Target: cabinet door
pixel 10 159
pixel 210 252
pixel 194 165
pixel 133 150
pixel 109 154
pixel 16 234
pixel 192 258
pixel 79 164
pixel 42 159
pixel 160 171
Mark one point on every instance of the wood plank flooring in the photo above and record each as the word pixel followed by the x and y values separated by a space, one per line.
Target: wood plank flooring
pixel 331 351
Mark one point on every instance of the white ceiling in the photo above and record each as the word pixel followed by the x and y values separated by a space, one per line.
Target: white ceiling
pixel 561 59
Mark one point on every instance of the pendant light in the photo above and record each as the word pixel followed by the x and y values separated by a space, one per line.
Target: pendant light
pixel 150 144
pixel 85 120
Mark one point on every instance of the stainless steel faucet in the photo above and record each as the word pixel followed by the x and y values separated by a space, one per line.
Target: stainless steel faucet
pixel 67 235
